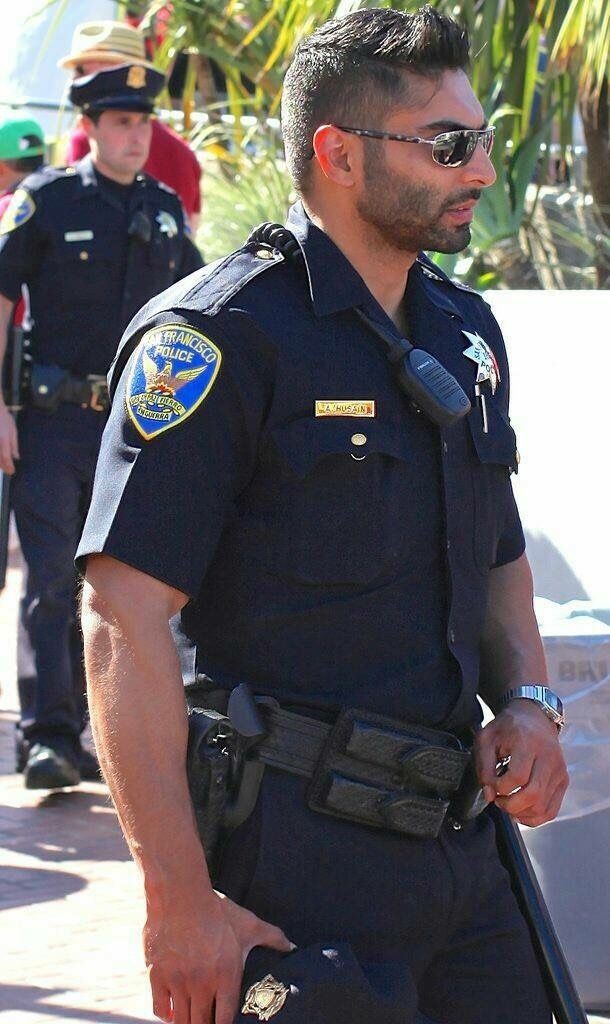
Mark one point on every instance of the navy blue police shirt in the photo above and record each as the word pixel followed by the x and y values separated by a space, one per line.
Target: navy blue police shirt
pixel 334 544
pixel 79 242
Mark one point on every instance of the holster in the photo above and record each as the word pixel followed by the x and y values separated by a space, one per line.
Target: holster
pixel 50 385
pixel 223 782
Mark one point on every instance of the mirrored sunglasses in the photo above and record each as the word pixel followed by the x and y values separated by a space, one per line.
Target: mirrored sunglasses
pixel 451 149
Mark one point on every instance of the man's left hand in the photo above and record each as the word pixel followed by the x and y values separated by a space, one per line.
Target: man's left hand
pixel 533 787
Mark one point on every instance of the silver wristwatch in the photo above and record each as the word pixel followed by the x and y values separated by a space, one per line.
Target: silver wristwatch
pixel 547 699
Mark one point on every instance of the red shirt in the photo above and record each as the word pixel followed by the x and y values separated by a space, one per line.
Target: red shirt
pixel 171 160
pixel 19 309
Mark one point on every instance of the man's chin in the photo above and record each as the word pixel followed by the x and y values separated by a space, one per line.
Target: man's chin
pixel 451 241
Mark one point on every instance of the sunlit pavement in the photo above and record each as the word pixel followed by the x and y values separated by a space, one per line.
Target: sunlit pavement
pixel 69 894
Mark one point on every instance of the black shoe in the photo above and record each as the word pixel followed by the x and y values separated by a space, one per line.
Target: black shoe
pixel 22 749
pixel 88 766
pixel 47 769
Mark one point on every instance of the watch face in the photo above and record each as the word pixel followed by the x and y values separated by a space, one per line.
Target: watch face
pixel 553 701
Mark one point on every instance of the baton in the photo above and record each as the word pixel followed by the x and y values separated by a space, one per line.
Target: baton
pixel 558 982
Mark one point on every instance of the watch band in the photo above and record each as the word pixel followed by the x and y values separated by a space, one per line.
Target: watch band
pixel 542 695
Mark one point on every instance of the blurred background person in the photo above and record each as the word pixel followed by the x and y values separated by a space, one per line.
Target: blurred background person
pixel 92 243
pixel 97 45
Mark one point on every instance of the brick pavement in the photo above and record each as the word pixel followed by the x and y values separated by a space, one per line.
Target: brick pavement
pixel 69 894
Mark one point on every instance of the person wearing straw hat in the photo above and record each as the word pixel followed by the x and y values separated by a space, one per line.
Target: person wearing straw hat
pixel 93 243
pixel 97 45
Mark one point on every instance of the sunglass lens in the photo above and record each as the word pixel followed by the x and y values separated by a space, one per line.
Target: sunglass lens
pixel 487 140
pixel 454 149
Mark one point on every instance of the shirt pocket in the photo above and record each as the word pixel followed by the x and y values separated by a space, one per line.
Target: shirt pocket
pixel 83 271
pixel 495 458
pixel 346 490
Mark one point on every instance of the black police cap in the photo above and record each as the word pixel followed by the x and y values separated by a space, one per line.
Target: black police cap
pixel 324 984
pixel 126 87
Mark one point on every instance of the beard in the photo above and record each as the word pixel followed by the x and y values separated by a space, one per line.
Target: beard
pixel 406 215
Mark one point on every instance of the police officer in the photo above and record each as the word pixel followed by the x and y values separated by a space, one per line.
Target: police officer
pixel 92 244
pixel 337 544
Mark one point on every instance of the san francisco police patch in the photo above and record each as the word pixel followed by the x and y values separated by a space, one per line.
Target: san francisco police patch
pixel 20 209
pixel 174 369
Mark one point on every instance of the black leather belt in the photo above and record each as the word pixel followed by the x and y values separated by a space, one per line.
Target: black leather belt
pixel 368 768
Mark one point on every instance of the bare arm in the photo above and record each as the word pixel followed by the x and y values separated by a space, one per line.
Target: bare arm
pixel 511 654
pixel 9 449
pixel 511 650
pixel 195 941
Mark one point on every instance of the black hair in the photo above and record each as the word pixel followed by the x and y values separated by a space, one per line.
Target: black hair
pixel 27 164
pixel 352 69
pixel 93 115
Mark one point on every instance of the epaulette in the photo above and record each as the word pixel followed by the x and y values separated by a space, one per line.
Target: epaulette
pixel 159 185
pixel 205 291
pixel 219 282
pixel 44 176
pixel 430 270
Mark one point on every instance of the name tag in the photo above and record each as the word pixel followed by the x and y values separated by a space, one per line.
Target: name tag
pixel 345 407
pixel 78 236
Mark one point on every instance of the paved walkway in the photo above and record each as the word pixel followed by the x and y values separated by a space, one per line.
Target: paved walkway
pixel 69 894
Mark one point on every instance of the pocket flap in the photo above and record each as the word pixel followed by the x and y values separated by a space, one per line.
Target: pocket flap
pixel 499 444
pixel 305 442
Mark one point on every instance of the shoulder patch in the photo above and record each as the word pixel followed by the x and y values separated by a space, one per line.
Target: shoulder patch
pixel 174 370
pixel 18 211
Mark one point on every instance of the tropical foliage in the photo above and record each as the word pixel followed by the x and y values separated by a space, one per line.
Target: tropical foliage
pixel 535 62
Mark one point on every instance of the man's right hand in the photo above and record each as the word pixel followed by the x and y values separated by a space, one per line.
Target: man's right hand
pixel 195 956
pixel 9 447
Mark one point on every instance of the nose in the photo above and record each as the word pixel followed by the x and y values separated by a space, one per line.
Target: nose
pixel 479 170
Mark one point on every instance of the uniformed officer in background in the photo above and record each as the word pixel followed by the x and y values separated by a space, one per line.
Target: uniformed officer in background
pixel 97 45
pixel 336 545
pixel 92 244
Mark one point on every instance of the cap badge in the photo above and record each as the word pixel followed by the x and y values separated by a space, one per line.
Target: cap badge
pixel 265 998
pixel 136 77
pixel 487 364
pixel 167 224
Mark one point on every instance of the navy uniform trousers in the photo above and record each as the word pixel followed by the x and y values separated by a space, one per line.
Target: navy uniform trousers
pixel 50 494
pixel 433 923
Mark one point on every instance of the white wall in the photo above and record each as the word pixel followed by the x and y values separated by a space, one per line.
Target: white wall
pixel 559 351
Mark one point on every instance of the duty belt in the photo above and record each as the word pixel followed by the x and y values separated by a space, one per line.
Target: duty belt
pixel 366 768
pixel 49 386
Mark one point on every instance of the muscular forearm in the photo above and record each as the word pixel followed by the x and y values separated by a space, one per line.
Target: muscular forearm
pixel 139 722
pixel 511 649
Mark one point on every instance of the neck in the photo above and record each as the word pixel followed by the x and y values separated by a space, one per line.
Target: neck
pixel 121 177
pixel 384 269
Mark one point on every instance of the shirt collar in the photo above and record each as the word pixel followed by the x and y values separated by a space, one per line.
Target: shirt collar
pixel 335 284
pixel 87 173
pixel 333 281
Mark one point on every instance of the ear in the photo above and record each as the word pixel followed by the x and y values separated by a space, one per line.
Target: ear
pixel 86 124
pixel 336 154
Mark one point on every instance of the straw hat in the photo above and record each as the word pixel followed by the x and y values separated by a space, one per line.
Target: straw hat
pixel 113 42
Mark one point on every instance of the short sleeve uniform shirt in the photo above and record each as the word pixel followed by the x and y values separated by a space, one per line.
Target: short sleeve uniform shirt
pixel 260 457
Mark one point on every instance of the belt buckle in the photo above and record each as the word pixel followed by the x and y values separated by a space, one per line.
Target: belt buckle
pixel 99 393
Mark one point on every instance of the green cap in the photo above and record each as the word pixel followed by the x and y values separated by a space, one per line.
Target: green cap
pixel 20 137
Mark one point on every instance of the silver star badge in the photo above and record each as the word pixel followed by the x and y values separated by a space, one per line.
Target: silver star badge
pixel 167 224
pixel 487 364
